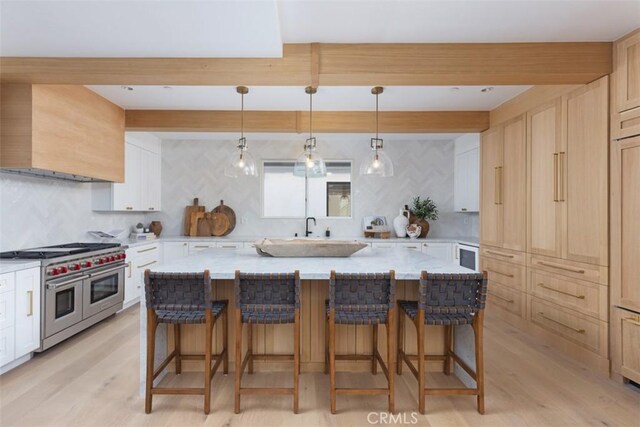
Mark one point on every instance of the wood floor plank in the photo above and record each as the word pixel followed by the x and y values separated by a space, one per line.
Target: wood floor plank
pixel 92 379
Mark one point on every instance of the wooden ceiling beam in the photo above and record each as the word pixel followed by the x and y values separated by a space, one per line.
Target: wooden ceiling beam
pixel 337 65
pixel 298 121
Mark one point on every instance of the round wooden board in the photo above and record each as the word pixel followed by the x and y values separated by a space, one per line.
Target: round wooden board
pixel 218 224
pixel 229 213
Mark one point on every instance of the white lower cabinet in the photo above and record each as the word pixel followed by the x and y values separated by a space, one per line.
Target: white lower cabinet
pixel 19 315
pixel 139 258
pixel 200 246
pixel 27 311
pixel 174 250
pixel 440 250
pixel 381 245
pixel 415 246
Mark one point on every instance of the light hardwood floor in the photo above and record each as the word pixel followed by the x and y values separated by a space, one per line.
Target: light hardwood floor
pixel 92 380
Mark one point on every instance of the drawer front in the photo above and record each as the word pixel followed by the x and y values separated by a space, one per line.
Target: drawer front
pixel 585 297
pixel 7 345
pixel 631 347
pixel 625 124
pixel 201 246
pixel 377 245
pixel 508 299
pixel 582 330
pixel 411 246
pixel 7 309
pixel 504 273
pixel 501 254
pixel 7 282
pixel 229 245
pixel 576 270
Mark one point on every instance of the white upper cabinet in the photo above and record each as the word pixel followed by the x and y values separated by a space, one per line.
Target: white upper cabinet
pixel 466 173
pixel 140 190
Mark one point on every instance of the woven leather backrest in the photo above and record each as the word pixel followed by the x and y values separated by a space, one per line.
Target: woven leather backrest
pixel 267 289
pixel 362 291
pixel 178 291
pixel 452 293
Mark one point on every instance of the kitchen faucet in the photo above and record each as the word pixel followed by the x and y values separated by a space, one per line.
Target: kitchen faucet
pixel 307 232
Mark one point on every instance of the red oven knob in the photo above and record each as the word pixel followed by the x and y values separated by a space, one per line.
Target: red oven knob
pixel 74 267
pixel 88 264
pixel 100 261
pixel 124 256
pixel 54 272
pixel 63 269
pixel 112 258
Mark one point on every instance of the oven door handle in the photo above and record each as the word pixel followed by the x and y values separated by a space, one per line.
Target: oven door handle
pixel 65 283
pixel 109 270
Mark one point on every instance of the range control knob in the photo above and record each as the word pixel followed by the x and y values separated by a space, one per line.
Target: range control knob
pixel 112 258
pixel 88 264
pixel 100 261
pixel 63 269
pixel 54 272
pixel 74 267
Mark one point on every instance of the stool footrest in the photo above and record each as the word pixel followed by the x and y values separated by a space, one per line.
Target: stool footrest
pixel 363 391
pixel 175 390
pixel 271 356
pixel 266 390
pixel 451 391
pixel 354 356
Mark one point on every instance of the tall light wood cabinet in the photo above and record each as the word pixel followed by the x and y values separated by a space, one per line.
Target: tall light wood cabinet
pixel 626 87
pixel 503 176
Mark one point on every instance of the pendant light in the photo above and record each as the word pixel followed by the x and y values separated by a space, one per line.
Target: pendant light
pixel 310 164
pixel 377 162
pixel 241 162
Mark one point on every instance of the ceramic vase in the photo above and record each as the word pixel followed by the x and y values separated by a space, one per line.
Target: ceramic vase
pixel 400 224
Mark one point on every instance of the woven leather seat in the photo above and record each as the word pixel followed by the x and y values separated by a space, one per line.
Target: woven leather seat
pixel 190 317
pixel 411 310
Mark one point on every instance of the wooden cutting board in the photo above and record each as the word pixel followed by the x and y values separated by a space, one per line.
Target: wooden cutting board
pixel 229 213
pixel 195 219
pixel 187 216
pixel 218 224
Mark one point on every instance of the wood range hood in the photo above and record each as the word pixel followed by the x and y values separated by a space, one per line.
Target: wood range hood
pixel 61 131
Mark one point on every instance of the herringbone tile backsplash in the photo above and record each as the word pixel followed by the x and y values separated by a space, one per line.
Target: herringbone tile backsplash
pixel 35 211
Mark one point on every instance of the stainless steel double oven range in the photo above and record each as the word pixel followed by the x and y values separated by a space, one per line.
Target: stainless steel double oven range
pixel 82 284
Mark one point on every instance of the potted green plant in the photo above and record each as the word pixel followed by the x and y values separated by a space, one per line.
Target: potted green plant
pixel 422 211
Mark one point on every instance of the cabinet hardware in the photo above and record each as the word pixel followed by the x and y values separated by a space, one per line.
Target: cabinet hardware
pixel 500 254
pixel 561 267
pixel 410 247
pixel 151 209
pixel 147 264
pixel 129 208
pixel 184 244
pixel 542 285
pixel 147 250
pixel 228 246
pixel 463 209
pixel 130 268
pixel 561 185
pixel 30 313
pixel 201 246
pixel 632 320
pixel 497 272
pixel 580 331
pixel 510 301
pixel 555 177
pixel 457 251
pixel 498 185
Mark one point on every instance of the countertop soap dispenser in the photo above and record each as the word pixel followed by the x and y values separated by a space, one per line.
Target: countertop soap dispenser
pixel 327 233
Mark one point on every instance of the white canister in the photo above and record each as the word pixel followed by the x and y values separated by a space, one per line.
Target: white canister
pixel 400 223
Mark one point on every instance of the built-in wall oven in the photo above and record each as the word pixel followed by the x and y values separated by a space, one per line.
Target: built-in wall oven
pixel 468 256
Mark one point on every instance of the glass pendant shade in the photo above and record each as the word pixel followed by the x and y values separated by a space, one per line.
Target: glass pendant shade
pixel 377 163
pixel 310 164
pixel 240 163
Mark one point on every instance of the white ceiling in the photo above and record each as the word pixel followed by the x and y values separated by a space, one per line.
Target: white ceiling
pixel 328 98
pixel 225 28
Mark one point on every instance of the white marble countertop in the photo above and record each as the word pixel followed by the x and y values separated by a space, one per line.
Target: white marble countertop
pixel 467 240
pixel 9 266
pixel 222 264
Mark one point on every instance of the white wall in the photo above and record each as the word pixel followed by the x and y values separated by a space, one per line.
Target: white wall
pixel 36 211
pixel 422 167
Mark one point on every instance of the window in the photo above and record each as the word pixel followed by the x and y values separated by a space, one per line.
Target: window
pixel 287 196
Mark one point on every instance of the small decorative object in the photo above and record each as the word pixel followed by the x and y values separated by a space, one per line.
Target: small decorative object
pixel 298 248
pixel 376 226
pixel 156 227
pixel 413 230
pixel 139 228
pixel 327 233
pixel 400 223
pixel 423 210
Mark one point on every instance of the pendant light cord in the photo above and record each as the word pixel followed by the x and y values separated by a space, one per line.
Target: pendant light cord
pixel 310 115
pixel 242 115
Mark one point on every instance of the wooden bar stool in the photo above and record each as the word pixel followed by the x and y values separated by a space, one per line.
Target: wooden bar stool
pixel 266 299
pixel 448 300
pixel 361 299
pixel 179 299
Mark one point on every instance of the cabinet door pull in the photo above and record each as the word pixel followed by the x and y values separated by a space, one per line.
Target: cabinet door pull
pixel 498 185
pixel 229 246
pixel 147 264
pixel 561 166
pixel 201 246
pixel 542 285
pixel 129 265
pixel 30 313
pixel 151 209
pixel 510 301
pixel 147 250
pixel 497 272
pixel 580 331
pixel 129 208
pixel 633 320
pixel 562 267
pixel 555 178
pixel 500 254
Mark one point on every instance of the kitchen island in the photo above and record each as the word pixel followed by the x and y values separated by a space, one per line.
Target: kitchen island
pixel 314 275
